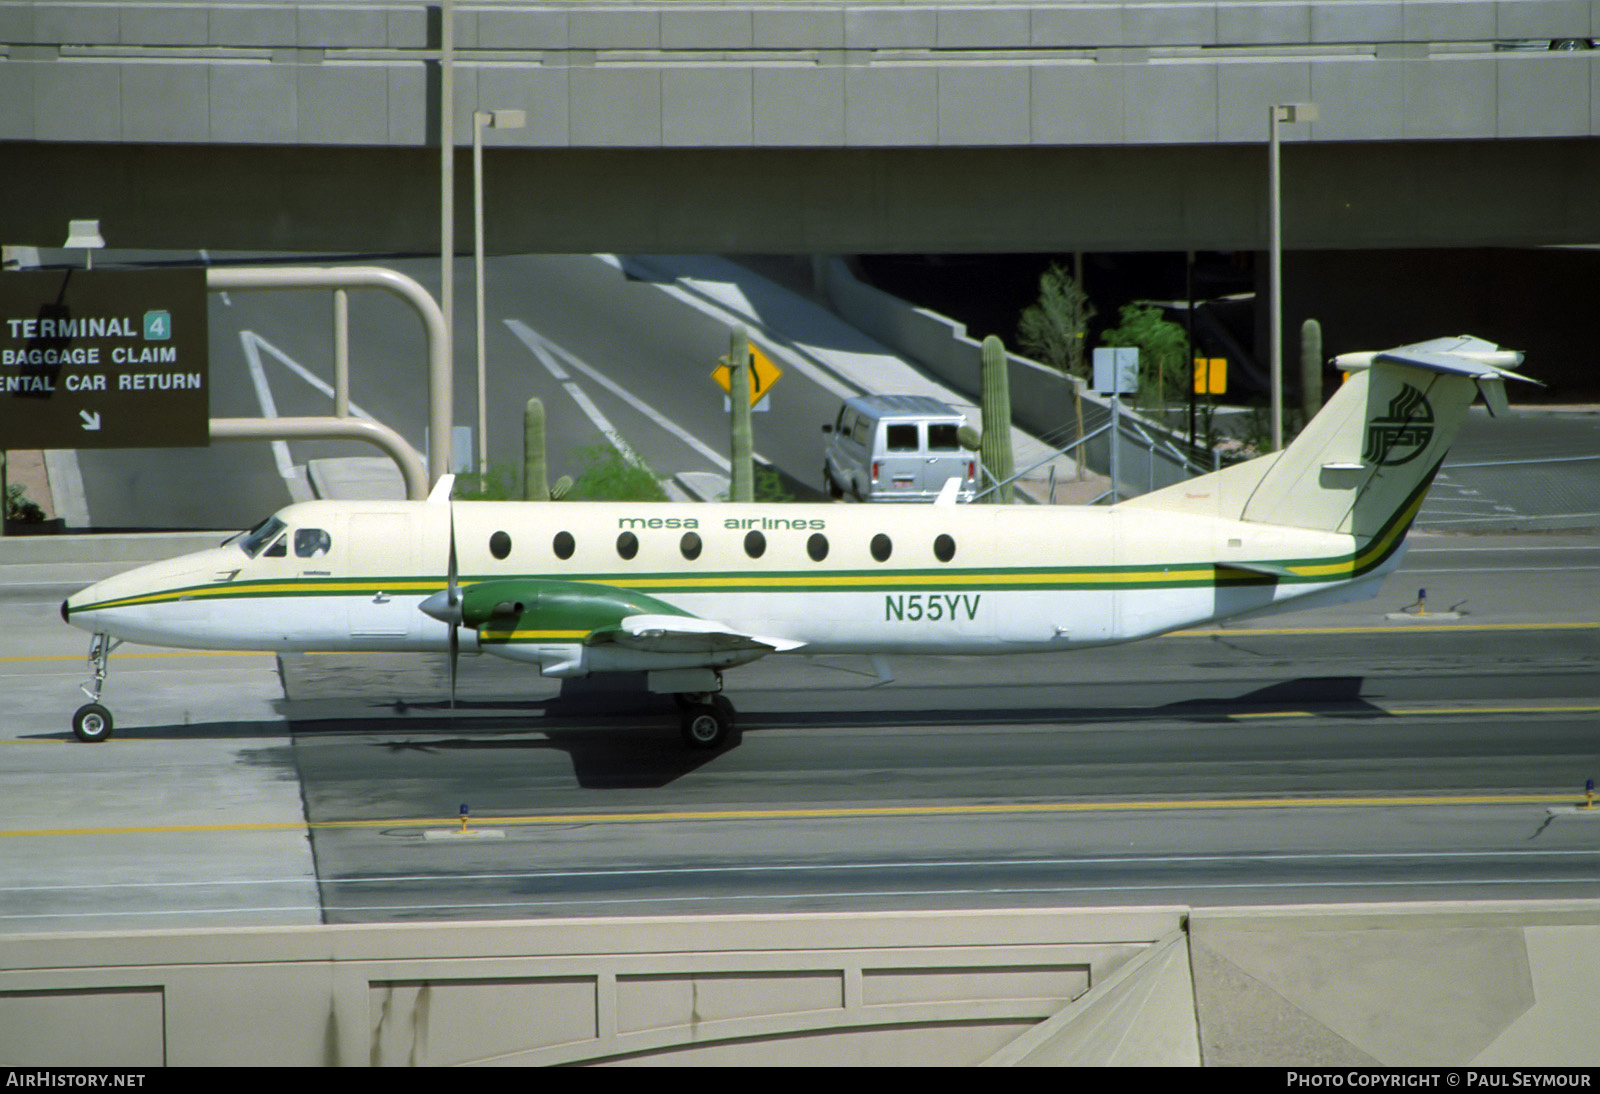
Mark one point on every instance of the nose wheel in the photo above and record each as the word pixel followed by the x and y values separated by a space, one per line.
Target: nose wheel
pixel 92 722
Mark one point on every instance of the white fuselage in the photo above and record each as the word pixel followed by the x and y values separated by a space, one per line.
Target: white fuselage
pixel 929 579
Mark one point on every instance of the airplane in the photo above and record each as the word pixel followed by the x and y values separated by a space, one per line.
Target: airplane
pixel 684 592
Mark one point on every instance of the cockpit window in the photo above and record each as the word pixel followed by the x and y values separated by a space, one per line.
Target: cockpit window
pixel 279 548
pixel 311 543
pixel 259 536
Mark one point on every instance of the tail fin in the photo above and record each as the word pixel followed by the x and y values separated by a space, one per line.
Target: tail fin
pixel 1366 460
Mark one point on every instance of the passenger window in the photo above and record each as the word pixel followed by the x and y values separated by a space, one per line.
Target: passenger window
pixel 881 547
pixel 817 547
pixel 311 543
pixel 690 545
pixel 500 545
pixel 944 548
pixel 943 437
pixel 563 545
pixel 901 438
pixel 755 544
pixel 627 545
pixel 862 433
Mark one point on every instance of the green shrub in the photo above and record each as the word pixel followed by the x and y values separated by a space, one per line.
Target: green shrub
pixel 500 483
pixel 20 507
pixel 605 476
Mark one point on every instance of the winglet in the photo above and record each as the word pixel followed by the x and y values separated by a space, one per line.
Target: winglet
pixel 442 489
pixel 948 492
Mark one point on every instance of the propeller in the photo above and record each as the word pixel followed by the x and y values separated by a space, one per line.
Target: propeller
pixel 445 606
pixel 453 602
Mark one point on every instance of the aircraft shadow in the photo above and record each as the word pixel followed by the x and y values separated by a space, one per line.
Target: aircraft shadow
pixel 625 738
pixel 1325 696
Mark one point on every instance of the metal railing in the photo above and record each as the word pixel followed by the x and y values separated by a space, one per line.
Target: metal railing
pixel 341 426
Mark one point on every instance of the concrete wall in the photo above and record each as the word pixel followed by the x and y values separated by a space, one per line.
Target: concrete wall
pixel 802 127
pixel 1428 985
pixel 819 73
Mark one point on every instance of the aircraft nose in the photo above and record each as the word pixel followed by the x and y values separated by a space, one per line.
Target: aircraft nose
pixel 439 607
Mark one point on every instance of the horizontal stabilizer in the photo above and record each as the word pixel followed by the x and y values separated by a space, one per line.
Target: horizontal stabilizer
pixel 1463 355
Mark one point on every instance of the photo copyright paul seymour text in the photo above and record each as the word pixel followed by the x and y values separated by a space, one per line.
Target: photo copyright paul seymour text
pixel 1468 1079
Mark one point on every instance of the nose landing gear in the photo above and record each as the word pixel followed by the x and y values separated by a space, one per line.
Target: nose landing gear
pixel 92 722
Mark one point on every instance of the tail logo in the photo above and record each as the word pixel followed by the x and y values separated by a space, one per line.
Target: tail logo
pixel 1401 435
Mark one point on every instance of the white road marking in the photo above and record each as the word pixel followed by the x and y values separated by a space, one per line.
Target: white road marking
pixel 1504 570
pixel 253 344
pixel 1418 549
pixel 544 349
pixel 708 302
pixel 269 408
pixel 301 371
pixel 541 350
pixel 836 867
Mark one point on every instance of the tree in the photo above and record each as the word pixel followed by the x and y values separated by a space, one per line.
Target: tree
pixel 1163 347
pixel 1054 330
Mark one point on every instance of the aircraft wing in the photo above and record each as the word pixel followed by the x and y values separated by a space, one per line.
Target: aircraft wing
pixel 685 634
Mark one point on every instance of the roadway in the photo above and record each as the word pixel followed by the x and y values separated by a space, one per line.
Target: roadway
pixel 1334 755
pixel 604 353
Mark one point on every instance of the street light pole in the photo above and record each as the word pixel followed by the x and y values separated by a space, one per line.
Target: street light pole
pixel 497 119
pixel 1280 112
pixel 447 208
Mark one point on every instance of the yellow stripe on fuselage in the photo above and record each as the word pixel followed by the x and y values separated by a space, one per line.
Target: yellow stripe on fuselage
pixel 532 636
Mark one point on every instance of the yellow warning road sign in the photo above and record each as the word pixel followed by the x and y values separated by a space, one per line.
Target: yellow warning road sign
pixel 763 374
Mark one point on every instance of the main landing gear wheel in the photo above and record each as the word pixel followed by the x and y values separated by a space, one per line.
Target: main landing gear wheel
pixel 707 724
pixel 92 722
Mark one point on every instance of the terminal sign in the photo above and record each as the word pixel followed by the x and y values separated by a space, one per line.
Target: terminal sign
pixel 104 359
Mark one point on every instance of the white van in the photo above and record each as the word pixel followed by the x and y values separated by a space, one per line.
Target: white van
pixel 897 448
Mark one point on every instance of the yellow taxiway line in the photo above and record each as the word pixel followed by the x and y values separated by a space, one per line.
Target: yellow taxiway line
pixel 835 813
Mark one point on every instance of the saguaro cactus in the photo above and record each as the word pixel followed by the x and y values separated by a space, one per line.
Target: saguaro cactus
pixel 1310 370
pixel 997 417
pixel 743 486
pixel 535 473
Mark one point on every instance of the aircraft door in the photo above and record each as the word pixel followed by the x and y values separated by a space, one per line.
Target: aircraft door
pixel 382 552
